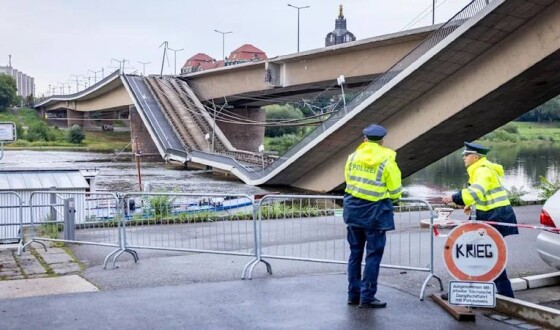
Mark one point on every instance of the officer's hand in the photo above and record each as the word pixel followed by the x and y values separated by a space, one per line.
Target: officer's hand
pixel 467 210
pixel 447 199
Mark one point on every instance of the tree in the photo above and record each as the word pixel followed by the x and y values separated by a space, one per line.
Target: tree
pixel 8 92
pixel 75 134
pixel 280 114
pixel 546 112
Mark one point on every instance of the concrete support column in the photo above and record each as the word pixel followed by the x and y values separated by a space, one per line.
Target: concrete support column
pixel 245 137
pixel 139 131
pixel 89 123
pixel 74 117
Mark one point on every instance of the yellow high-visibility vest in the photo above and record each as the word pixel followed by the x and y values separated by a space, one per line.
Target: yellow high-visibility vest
pixel 485 190
pixel 372 174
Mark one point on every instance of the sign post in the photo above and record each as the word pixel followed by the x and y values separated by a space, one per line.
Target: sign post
pixel 475 254
pixel 7 134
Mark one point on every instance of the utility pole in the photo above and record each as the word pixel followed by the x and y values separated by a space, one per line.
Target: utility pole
pixel 164 44
pixel 298 9
pixel 144 67
pixel 175 58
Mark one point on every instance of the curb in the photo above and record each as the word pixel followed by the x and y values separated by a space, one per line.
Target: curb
pixel 528 311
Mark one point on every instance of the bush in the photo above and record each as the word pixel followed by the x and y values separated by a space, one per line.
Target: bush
pixel 75 135
pixel 547 188
pixel 39 131
pixel 281 144
pixel 510 128
pixel 514 196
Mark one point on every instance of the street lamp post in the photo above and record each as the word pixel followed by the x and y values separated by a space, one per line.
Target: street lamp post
pixel 223 43
pixel 175 58
pixel 433 12
pixel 77 76
pixel 144 67
pixel 298 9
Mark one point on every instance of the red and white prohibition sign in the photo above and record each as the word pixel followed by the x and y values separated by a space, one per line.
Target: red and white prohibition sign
pixel 475 252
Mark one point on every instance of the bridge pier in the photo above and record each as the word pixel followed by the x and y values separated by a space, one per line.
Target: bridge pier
pixel 245 137
pixel 74 117
pixel 139 131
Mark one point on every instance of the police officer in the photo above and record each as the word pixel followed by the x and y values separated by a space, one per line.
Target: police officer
pixel 487 194
pixel 373 183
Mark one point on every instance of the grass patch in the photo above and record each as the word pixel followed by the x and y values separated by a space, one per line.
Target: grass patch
pixel 520 132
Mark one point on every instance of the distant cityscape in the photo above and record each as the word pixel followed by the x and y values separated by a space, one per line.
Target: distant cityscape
pixel 25 83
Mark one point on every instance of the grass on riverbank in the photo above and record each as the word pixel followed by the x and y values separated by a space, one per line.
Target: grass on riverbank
pixel 94 141
pixel 531 132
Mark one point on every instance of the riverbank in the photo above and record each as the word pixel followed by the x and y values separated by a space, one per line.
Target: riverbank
pixel 93 142
pixel 524 132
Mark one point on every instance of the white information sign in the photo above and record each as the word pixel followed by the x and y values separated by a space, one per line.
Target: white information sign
pixel 7 132
pixel 476 294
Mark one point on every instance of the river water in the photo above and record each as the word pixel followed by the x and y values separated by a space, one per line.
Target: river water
pixel 118 172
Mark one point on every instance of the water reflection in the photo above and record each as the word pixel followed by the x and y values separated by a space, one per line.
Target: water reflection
pixel 523 164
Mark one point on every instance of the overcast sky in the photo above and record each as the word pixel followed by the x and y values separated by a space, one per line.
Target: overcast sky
pixel 51 40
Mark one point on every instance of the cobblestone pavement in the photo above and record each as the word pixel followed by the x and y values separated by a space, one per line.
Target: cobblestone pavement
pixel 35 262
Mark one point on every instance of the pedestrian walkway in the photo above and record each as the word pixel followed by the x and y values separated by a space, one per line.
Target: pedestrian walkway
pixel 39 272
pixel 302 302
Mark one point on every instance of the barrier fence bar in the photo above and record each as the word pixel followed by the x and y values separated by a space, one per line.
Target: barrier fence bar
pixel 95 217
pixel 11 219
pixel 311 228
pixel 201 223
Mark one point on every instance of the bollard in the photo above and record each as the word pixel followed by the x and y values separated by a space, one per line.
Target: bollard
pixel 69 219
pixel 52 216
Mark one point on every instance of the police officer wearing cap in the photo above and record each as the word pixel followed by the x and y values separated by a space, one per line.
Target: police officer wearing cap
pixel 373 183
pixel 487 194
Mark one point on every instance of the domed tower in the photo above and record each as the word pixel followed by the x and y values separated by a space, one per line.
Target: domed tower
pixel 340 34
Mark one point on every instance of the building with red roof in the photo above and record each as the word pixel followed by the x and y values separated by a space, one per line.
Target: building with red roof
pixel 243 54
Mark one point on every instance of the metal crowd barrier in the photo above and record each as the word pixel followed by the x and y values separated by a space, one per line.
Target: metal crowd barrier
pixel 290 227
pixel 11 219
pixel 74 217
pixel 311 228
pixel 208 223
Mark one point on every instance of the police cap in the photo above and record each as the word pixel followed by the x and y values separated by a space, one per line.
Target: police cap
pixel 475 148
pixel 375 132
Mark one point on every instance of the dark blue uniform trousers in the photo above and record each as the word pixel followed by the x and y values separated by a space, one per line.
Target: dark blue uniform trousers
pixel 373 240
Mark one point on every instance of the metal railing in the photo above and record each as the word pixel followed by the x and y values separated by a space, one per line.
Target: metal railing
pixel 208 223
pixel 288 227
pixel 311 228
pixel 11 219
pixel 74 217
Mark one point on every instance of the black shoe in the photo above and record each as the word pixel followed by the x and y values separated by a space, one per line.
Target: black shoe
pixel 376 303
pixel 353 302
pixel 444 296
